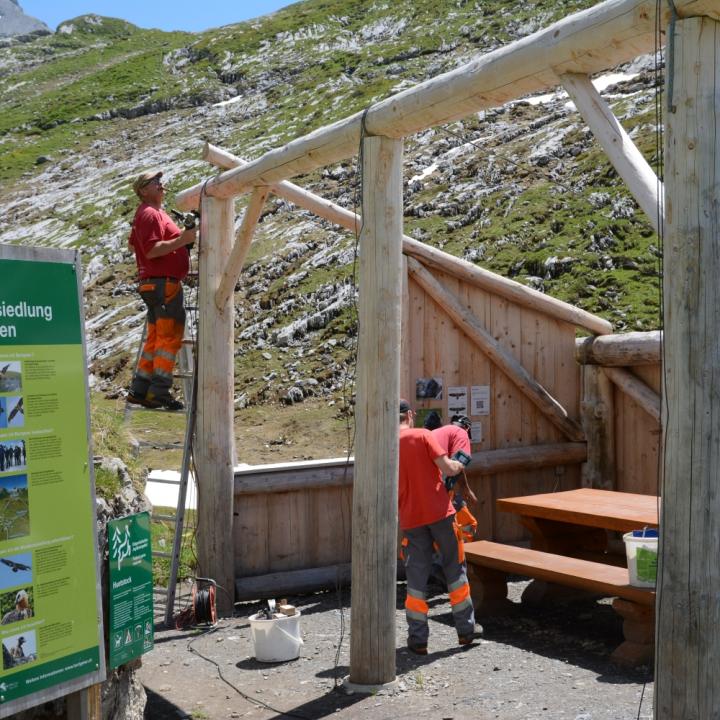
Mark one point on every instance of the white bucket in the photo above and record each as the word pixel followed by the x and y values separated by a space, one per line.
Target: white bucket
pixel 278 639
pixel 642 554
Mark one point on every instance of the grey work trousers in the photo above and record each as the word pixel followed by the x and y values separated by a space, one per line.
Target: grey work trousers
pixel 418 551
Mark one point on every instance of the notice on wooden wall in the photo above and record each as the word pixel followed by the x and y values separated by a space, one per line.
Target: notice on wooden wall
pixel 480 400
pixel 457 400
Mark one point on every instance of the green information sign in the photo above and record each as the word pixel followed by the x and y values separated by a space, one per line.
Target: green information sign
pixel 50 608
pixel 131 602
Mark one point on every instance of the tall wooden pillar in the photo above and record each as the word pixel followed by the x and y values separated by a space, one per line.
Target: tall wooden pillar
pixel 688 641
pixel 374 519
pixel 214 443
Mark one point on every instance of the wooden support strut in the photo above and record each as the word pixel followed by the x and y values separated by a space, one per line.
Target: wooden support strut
pixel 620 149
pixel 462 269
pixel 470 325
pixel 643 395
pixel 241 246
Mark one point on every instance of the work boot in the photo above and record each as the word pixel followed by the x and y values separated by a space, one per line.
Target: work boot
pixel 168 402
pixel 137 400
pixel 468 638
pixel 417 648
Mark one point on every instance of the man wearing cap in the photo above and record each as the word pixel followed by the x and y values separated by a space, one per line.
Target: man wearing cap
pixel 163 262
pixel 427 520
pixel 22 610
pixel 451 438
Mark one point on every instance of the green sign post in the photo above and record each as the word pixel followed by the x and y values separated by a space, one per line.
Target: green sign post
pixel 131 602
pixel 50 601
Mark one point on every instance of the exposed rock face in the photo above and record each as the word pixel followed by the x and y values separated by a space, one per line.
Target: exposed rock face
pixel 13 21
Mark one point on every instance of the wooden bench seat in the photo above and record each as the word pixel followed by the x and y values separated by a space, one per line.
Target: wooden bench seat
pixel 490 562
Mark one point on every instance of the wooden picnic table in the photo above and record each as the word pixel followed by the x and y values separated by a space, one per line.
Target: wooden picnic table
pixel 588 507
pixel 571 552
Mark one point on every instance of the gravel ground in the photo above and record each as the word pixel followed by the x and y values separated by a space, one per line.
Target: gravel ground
pixel 532 664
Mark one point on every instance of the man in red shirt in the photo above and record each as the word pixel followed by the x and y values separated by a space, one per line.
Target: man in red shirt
pixel 163 262
pixel 451 438
pixel 427 520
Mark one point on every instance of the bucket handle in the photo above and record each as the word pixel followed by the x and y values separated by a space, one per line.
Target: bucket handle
pixel 297 640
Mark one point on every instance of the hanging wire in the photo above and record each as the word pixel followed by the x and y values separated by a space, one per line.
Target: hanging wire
pixel 659 82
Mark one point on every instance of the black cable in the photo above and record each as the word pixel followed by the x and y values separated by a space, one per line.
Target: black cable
pixel 252 700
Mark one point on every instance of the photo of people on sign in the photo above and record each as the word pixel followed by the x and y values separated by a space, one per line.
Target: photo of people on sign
pixel 12 412
pixel 15 571
pixel 19 649
pixel 14 507
pixel 16 606
pixel 10 377
pixel 13 455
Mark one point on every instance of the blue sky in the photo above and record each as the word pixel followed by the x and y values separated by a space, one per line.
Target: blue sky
pixel 165 14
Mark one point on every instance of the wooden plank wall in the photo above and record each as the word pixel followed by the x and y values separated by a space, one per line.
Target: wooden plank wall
pixel 637 438
pixel 546 349
pixel 288 529
pixel 293 529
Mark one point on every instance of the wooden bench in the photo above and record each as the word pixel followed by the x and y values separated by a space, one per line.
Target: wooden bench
pixel 490 562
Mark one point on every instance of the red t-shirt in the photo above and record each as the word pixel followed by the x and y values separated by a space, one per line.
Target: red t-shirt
pixel 149 226
pixel 422 497
pixel 452 438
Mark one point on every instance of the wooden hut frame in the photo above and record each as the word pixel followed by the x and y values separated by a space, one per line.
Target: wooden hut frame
pixel 566 54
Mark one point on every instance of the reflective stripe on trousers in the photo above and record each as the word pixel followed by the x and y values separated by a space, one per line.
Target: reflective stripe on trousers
pixel 418 562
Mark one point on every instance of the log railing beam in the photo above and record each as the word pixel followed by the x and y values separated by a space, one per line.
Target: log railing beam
pixel 504 360
pixel 620 350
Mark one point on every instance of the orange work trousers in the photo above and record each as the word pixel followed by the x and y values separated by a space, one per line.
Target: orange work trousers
pixel 163 298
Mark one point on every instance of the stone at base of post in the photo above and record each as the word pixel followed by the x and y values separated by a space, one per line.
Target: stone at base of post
pixel 639 632
pixel 351 688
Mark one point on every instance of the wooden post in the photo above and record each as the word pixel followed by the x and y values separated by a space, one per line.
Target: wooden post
pixel 598 419
pixel 374 526
pixel 84 704
pixel 688 643
pixel 214 445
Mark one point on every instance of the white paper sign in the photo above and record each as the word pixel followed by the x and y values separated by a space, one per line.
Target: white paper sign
pixel 480 400
pixel 457 400
pixel 476 431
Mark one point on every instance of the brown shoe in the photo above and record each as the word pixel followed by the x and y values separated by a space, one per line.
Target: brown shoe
pixel 468 639
pixel 417 649
pixel 137 400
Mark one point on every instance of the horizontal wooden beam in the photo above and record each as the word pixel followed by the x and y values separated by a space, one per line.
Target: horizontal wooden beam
pixel 291 477
pixel 622 152
pixel 622 349
pixel 636 389
pixel 586 42
pixel 529 457
pixel 462 269
pixel 291 582
pixel 504 360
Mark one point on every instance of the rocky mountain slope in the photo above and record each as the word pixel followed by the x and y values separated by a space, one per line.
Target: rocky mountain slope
pixel 523 189
pixel 13 21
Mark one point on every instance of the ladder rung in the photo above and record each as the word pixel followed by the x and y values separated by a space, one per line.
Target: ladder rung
pixel 157 553
pixel 171 518
pixel 164 481
pixel 188 341
pixel 191 308
pixel 182 375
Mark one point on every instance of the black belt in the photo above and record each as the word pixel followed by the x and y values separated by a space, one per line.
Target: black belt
pixel 163 277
